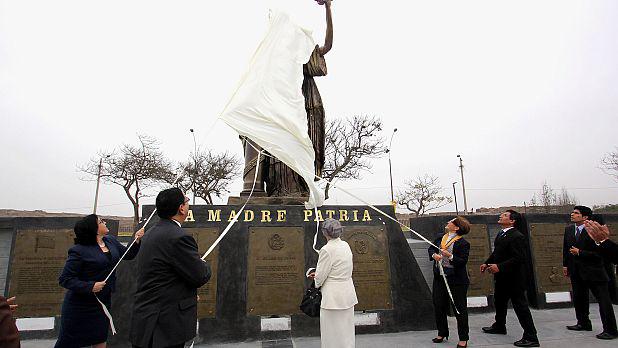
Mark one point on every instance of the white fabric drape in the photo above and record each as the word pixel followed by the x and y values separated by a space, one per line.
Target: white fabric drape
pixel 268 106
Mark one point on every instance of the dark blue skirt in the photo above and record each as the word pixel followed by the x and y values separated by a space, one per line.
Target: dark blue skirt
pixel 83 322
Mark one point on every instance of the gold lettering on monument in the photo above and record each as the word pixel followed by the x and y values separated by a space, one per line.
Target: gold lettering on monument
pixel 266 216
pixel 190 216
pixel 281 215
pixel 214 215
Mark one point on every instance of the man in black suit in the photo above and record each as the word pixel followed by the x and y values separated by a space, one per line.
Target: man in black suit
pixel 508 265
pixel 169 272
pixel 583 263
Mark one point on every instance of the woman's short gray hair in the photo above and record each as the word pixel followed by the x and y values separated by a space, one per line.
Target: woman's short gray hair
pixel 332 228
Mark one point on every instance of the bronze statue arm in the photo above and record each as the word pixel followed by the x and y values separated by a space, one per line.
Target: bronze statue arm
pixel 328 40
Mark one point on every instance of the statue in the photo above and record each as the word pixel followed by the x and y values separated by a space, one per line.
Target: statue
pixel 280 180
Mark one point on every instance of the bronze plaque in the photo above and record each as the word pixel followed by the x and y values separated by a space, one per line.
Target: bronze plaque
pixel 275 270
pixel 207 303
pixel 38 258
pixel 480 249
pixel 371 275
pixel 547 242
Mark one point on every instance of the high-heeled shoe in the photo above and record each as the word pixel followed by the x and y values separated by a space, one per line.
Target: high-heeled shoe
pixel 460 346
pixel 439 339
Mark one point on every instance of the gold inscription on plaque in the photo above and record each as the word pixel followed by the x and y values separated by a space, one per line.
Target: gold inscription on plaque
pixel 275 270
pixel 480 284
pixel 214 215
pixel 190 217
pixel 547 242
pixel 371 273
pixel 38 258
pixel 207 303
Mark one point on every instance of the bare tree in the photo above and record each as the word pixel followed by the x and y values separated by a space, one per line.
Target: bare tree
pixel 609 163
pixel 422 194
pixel 349 145
pixel 134 168
pixel 565 198
pixel 208 175
pixel 547 196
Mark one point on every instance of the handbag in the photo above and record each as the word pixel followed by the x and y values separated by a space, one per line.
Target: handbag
pixel 312 299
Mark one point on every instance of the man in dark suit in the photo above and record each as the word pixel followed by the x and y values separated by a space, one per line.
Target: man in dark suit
pixel 508 265
pixel 169 272
pixel 583 263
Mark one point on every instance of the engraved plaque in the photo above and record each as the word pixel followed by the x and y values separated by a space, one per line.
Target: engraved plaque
pixel 480 284
pixel 207 303
pixel 547 240
pixel 38 258
pixel 371 273
pixel 275 270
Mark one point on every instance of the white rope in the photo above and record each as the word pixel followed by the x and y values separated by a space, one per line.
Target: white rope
pixel 448 289
pixel 229 226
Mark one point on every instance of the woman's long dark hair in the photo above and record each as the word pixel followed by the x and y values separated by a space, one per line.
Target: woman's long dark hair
pixel 86 230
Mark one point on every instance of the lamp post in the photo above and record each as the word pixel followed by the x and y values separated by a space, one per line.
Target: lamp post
pixel 463 184
pixel 96 193
pixel 455 196
pixel 194 163
pixel 390 167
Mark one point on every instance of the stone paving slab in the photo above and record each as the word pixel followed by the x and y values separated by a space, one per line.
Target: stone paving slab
pixel 550 325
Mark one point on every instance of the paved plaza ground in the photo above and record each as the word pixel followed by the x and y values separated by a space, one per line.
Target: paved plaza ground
pixel 550 324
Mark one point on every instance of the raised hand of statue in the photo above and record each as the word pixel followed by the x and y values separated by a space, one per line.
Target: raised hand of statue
pixel 322 2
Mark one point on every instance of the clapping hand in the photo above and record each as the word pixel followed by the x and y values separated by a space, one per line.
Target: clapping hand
pixel 311 275
pixel 436 257
pixel 596 231
pixel 574 251
pixel 12 305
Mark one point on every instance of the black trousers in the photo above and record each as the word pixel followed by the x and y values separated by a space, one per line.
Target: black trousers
pixel 442 303
pixel 182 345
pixel 600 291
pixel 505 291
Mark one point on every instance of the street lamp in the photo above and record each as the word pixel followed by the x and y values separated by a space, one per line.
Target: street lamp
pixel 455 196
pixel 463 184
pixel 96 193
pixel 194 163
pixel 390 168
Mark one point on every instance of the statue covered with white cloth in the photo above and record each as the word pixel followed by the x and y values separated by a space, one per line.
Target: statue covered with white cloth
pixel 281 180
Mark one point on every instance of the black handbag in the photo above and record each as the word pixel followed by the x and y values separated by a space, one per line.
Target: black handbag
pixel 310 304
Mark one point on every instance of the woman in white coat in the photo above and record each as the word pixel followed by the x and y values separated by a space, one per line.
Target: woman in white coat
pixel 334 275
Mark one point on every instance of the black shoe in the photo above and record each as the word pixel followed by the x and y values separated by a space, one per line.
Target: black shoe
pixel 578 327
pixel 493 330
pixel 606 336
pixel 526 343
pixel 439 339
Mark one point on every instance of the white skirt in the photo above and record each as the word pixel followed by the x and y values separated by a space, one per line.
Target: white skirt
pixel 337 328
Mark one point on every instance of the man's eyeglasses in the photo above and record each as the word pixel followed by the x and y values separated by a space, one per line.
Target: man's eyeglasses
pixel 102 222
pixel 186 200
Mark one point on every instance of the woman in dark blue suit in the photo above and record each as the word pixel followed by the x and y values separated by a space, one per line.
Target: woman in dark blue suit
pixel 453 255
pixel 83 322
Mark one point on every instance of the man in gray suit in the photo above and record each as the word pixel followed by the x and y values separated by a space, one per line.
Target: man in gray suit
pixel 169 272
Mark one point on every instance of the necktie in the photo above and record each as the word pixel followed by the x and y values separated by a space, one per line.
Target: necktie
pixel 577 233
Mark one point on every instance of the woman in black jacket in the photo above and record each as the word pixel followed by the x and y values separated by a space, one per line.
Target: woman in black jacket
pixel 453 255
pixel 83 322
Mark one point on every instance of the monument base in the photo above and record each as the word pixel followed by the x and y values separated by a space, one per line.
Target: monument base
pixel 260 270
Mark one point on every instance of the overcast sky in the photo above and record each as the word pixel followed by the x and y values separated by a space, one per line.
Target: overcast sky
pixel 525 91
